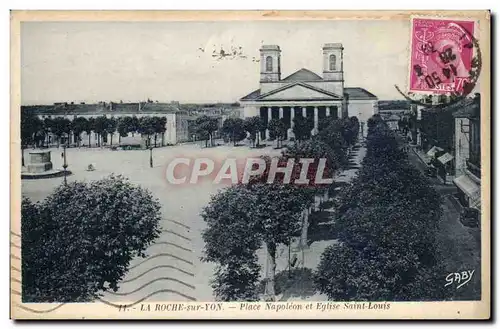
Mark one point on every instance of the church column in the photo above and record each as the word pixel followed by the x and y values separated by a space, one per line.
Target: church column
pixel 281 113
pixel 269 118
pixel 339 113
pixel 290 133
pixel 304 112
pixel 327 109
pixel 316 119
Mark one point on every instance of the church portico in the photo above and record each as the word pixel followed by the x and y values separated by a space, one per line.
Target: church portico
pixel 289 111
pixel 304 93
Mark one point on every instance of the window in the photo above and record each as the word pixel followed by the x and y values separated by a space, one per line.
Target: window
pixel 269 64
pixel 333 63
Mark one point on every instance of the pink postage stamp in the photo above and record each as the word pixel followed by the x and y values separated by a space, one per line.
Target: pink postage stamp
pixel 441 55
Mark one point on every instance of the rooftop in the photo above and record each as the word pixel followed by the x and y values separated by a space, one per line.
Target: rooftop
pixel 270 47
pixel 357 93
pixel 354 93
pixel 303 75
pixel 101 108
pixel 467 108
pixel 332 45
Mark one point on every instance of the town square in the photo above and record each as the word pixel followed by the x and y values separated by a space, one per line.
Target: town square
pixel 226 162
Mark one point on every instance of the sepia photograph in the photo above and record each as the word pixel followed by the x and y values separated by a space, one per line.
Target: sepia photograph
pixel 251 166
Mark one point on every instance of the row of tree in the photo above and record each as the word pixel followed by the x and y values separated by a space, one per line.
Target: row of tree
pixel 34 131
pixel 236 129
pixel 387 222
pixel 243 217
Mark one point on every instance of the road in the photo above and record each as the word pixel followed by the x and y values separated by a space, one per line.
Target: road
pixel 459 247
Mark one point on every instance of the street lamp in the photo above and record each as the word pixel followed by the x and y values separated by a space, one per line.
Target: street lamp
pixel 65 164
pixel 151 156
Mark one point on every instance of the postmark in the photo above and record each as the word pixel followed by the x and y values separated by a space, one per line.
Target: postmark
pixel 444 60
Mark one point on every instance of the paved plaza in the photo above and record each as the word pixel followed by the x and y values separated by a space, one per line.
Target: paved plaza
pixel 173 270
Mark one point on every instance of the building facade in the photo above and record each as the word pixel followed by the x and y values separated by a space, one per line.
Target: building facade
pixel 176 120
pixel 305 93
pixel 468 153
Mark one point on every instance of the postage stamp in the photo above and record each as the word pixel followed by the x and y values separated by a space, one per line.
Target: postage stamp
pixel 249 165
pixel 441 55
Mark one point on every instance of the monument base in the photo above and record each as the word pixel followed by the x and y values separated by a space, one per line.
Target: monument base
pixel 46 174
pixel 39 167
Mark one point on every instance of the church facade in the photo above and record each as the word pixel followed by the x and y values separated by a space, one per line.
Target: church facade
pixel 305 93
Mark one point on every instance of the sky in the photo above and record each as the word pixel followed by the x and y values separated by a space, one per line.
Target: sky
pixel 172 61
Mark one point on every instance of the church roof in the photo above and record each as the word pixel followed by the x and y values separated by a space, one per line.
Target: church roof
pixel 357 93
pixel 302 75
pixel 253 95
pixel 257 95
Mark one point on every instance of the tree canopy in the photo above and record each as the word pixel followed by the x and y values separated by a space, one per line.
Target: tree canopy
pixel 205 128
pixel 254 125
pixel 241 218
pixel 387 222
pixel 278 130
pixel 79 241
pixel 302 127
pixel 233 129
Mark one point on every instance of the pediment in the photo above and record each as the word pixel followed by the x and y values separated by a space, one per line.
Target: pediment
pixel 298 91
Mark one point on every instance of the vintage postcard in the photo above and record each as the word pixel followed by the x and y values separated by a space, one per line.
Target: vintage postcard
pixel 250 165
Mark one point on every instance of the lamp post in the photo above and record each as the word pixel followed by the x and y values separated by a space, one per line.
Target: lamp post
pixel 151 156
pixel 65 164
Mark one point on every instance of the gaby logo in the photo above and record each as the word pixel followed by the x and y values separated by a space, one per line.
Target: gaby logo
pixel 303 171
pixel 459 278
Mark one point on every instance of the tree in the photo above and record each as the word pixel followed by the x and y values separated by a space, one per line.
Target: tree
pixel 333 136
pixel 89 128
pixel 254 125
pixel 124 126
pixel 231 242
pixel 61 126
pixel 79 241
pixel 277 211
pixel 350 130
pixel 160 126
pixel 134 125
pixel 278 130
pixel 205 127
pixel 233 129
pixel 147 128
pixel 78 126
pixel 48 126
pixel 302 128
pixel 100 126
pixel 387 222
pixel 315 149
pixel 239 220
pixel 30 126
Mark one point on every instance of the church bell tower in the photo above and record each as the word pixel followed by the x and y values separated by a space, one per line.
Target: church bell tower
pixel 270 63
pixel 333 62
